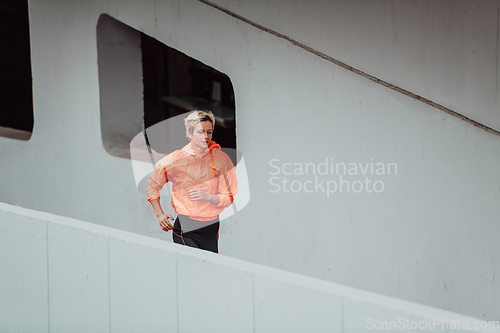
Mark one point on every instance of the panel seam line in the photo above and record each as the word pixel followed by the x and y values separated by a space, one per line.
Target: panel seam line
pixel 48 275
pixel 109 284
pixel 355 70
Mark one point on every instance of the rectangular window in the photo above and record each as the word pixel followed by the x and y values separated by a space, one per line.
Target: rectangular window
pixel 16 116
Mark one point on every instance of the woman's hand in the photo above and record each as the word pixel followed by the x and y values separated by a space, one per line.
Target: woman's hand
pixel 198 194
pixel 163 220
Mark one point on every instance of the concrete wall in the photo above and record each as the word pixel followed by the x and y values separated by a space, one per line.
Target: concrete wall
pixel 63 275
pixel 446 51
pixel 429 237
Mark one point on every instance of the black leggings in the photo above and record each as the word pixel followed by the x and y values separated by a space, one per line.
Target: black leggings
pixel 202 234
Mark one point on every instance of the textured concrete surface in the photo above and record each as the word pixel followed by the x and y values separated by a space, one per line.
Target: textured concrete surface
pixel 23 274
pixel 105 280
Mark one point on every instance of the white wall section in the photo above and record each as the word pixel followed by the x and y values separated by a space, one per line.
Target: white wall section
pixel 444 51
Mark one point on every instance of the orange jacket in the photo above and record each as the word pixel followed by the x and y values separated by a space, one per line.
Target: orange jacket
pixel 212 171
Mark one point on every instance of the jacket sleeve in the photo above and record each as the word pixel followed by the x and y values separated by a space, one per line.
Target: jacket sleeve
pixel 227 182
pixel 156 181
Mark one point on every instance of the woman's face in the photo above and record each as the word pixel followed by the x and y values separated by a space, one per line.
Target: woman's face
pixel 202 134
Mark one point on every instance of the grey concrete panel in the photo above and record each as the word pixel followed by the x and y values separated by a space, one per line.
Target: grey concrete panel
pixel 23 274
pixel 284 306
pixel 361 315
pixel 442 50
pixel 143 288
pixel 78 270
pixel 213 296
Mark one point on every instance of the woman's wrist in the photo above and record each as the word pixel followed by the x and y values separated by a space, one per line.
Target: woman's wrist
pixel 157 207
pixel 214 198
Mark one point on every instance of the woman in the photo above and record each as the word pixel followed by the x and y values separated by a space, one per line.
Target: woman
pixel 203 184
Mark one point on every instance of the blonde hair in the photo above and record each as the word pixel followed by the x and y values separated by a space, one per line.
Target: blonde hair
pixel 197 116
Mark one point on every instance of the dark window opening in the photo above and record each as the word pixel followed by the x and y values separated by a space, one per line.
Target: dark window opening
pixel 175 83
pixel 16 118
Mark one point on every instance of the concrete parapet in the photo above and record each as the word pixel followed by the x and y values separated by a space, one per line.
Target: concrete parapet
pixel 63 275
